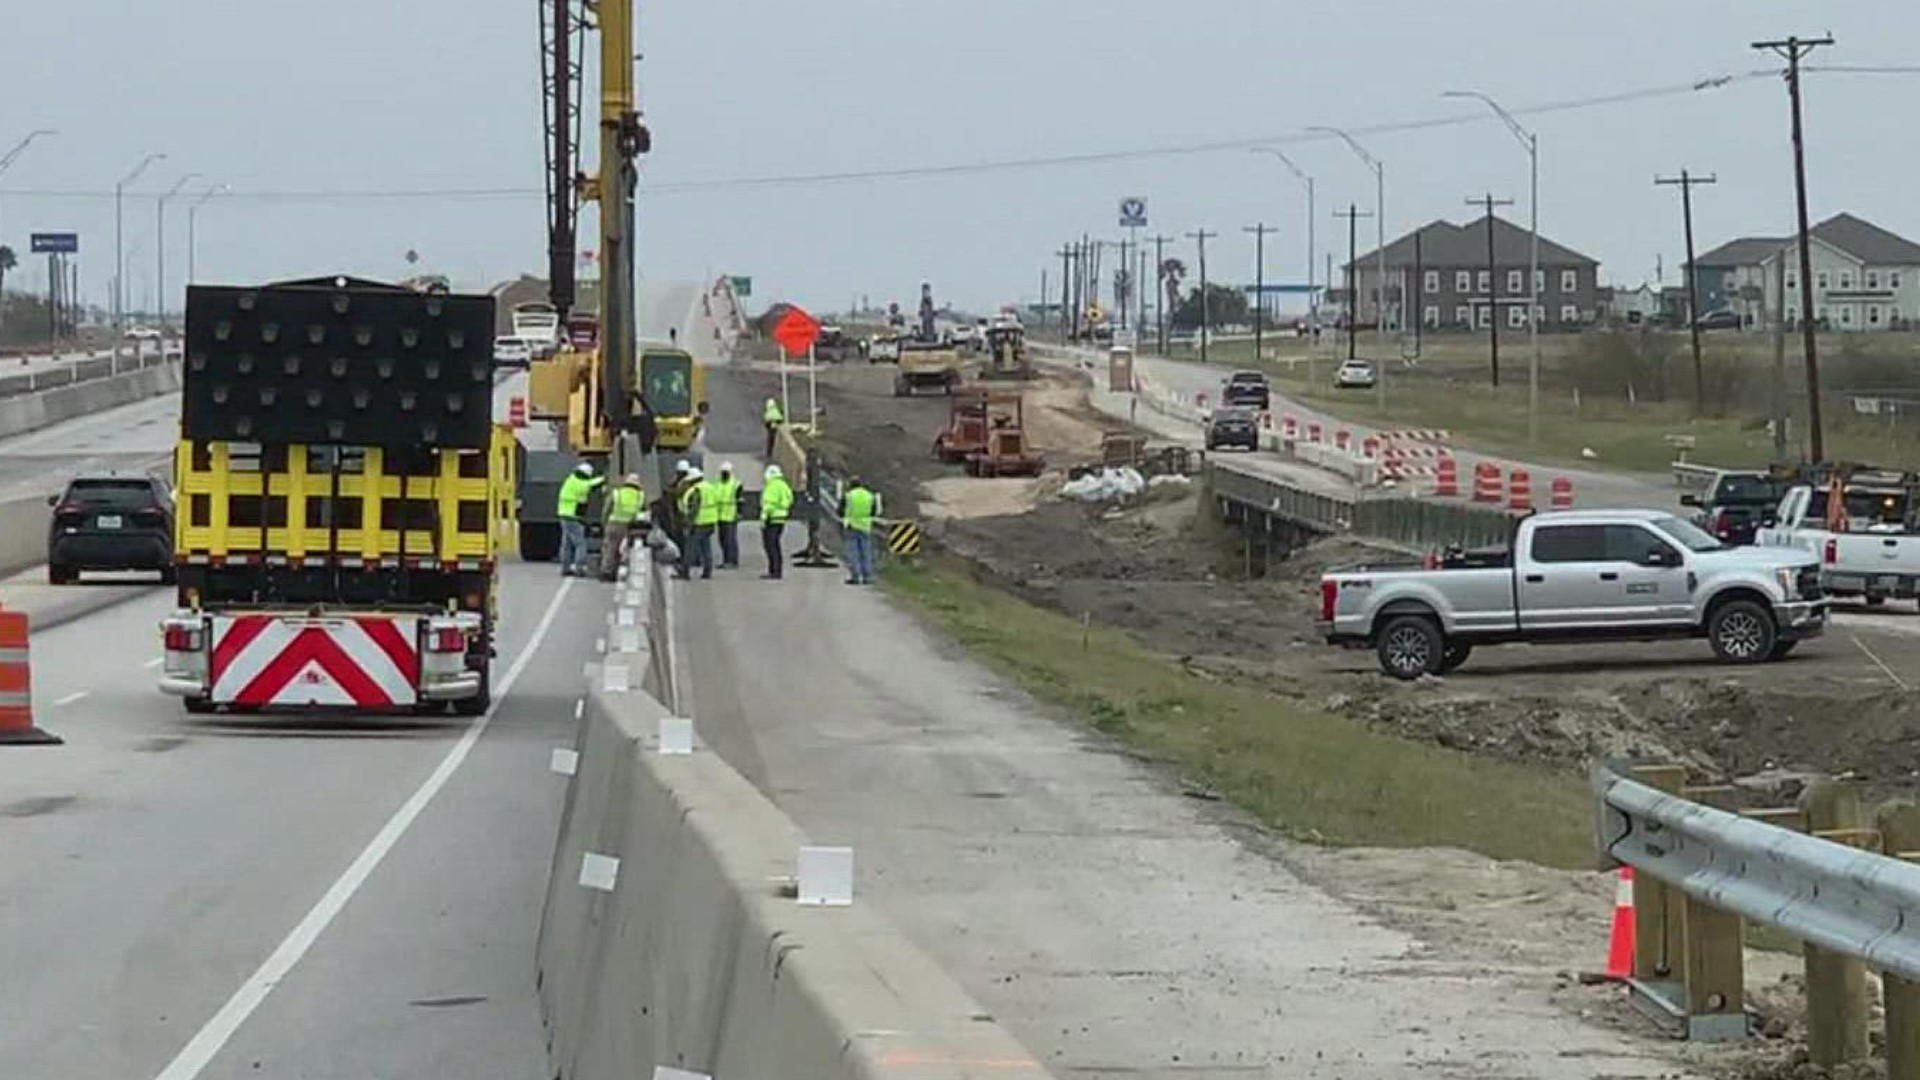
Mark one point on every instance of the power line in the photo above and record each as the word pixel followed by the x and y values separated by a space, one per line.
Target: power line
pixel 1000 165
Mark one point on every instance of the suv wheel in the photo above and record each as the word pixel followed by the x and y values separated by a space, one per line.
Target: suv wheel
pixel 1742 632
pixel 59 575
pixel 1410 646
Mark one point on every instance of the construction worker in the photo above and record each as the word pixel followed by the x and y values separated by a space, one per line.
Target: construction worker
pixel 626 507
pixel 772 416
pixel 727 490
pixel 700 506
pixel 575 490
pixel 859 508
pixel 685 501
pixel 776 504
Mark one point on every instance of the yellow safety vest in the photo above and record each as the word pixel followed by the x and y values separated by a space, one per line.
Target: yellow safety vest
pixel 773 413
pixel 574 491
pixel 857 509
pixel 626 503
pixel 729 499
pixel 776 502
pixel 709 510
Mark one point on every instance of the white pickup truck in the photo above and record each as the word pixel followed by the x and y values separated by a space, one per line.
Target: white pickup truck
pixel 1579 576
pixel 1874 557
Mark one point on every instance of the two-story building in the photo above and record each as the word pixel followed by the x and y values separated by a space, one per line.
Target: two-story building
pixel 1440 274
pixel 1864 277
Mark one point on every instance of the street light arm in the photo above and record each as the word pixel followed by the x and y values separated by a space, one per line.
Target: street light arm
pixel 140 168
pixel 1519 131
pixel 217 189
pixel 183 182
pixel 1372 162
pixel 20 147
pixel 1284 160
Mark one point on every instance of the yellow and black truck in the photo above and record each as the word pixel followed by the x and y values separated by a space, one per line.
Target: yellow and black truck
pixel 343 496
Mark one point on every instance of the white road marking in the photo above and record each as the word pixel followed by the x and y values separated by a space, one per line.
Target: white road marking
pixel 1879 663
pixel 201 1049
pixel 70 698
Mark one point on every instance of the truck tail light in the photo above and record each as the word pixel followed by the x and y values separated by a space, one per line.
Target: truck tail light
pixel 447 639
pixel 1833 551
pixel 180 637
pixel 1329 596
pixel 1722 524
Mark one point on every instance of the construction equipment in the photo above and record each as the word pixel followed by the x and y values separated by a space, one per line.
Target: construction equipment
pixel 986 430
pixel 927 364
pixel 1007 353
pixel 342 495
pixel 595 386
pixel 883 348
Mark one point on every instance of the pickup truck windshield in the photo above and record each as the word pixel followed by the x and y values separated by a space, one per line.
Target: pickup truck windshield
pixel 1746 489
pixel 1687 535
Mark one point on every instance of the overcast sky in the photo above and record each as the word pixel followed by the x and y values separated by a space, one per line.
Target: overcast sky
pixel 281 100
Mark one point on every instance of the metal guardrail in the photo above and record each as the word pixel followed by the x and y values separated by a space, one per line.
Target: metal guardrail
pixel 71 372
pixel 1414 523
pixel 1701 869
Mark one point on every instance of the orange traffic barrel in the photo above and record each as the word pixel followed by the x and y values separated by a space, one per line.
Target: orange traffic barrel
pixel 1519 491
pixel 16 686
pixel 1447 478
pixel 517 411
pixel 1562 489
pixel 1486 482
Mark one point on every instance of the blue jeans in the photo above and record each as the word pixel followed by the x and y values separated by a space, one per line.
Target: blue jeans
pixel 859 556
pixel 573 543
pixel 699 551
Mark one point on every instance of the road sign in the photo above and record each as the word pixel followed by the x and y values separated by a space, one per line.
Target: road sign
pixel 796 331
pixel 1133 213
pixel 742 286
pixel 55 243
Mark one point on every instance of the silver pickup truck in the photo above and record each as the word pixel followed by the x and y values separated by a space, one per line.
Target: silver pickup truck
pixel 1575 576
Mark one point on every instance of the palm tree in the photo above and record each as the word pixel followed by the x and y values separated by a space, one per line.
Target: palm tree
pixel 1171 273
pixel 8 261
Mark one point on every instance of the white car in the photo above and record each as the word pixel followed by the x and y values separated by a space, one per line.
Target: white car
pixel 512 352
pixel 1355 375
pixel 142 333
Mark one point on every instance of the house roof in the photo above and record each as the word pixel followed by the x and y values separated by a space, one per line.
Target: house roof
pixel 1442 243
pixel 1855 236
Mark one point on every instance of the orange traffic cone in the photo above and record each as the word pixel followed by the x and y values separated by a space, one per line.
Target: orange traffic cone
pixel 16 686
pixel 1620 946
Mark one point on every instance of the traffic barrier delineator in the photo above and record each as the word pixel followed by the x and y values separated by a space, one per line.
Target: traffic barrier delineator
pixel 1486 482
pixel 1447 479
pixel 517 411
pixel 1620 942
pixel 16 686
pixel 1370 447
pixel 1519 490
pixel 1561 493
pixel 1290 427
pixel 1313 432
pixel 1266 420
pixel 1342 439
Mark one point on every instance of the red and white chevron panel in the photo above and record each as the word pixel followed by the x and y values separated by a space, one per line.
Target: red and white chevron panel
pixel 1417 435
pixel 275 661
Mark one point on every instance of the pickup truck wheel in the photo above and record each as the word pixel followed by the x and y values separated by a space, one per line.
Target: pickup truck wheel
pixel 1742 632
pixel 1410 646
pixel 1456 654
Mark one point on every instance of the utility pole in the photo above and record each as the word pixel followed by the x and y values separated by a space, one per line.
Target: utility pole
pixel 1206 313
pixel 1160 291
pixel 160 246
pixel 1419 290
pixel 1793 49
pixel 1493 283
pixel 1259 232
pixel 1780 359
pixel 1066 288
pixel 1686 182
pixel 1353 214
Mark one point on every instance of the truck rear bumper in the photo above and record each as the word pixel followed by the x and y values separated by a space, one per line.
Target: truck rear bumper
pixel 458 687
pixel 183 686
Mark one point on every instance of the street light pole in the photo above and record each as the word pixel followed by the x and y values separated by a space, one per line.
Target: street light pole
pixel 160 247
pixel 1313 296
pixel 193 239
pixel 1380 259
pixel 119 241
pixel 6 162
pixel 1532 144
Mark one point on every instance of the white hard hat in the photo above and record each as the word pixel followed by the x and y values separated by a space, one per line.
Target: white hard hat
pixel 693 473
pixel 585 468
pixel 726 466
pixel 681 466
pixel 774 473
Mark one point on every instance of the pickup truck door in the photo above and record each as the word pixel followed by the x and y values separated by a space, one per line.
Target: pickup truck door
pixel 1559 584
pixel 1653 574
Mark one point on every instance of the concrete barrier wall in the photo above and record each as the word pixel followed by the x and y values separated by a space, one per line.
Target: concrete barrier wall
pixel 30 412
pixel 697 960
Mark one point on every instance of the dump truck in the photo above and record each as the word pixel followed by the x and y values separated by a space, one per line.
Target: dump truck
pixel 343 492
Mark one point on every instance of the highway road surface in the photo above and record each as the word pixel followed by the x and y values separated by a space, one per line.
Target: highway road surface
pixel 1114 926
pixel 328 898
pixel 1592 487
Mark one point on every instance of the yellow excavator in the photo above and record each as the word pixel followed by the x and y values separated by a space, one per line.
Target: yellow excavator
pixel 596 387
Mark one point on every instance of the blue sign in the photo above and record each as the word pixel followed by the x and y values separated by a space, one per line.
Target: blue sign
pixel 55 243
pixel 1133 213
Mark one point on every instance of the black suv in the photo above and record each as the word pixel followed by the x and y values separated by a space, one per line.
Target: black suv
pixel 110 523
pixel 1233 426
pixel 1247 388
